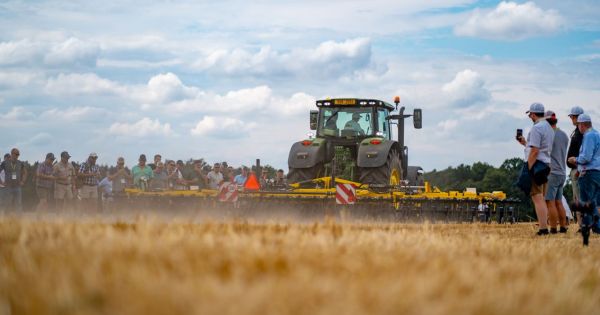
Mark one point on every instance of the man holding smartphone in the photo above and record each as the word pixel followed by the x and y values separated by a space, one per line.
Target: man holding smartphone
pixel 538 147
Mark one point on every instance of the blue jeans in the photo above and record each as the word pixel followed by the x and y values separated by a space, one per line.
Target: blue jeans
pixel 12 199
pixel 589 190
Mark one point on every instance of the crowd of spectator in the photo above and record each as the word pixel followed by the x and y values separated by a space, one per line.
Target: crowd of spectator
pixel 548 152
pixel 67 185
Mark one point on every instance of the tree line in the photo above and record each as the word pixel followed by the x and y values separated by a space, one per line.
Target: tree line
pixel 486 177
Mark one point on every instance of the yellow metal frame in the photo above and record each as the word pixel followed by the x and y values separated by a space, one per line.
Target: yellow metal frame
pixel 362 192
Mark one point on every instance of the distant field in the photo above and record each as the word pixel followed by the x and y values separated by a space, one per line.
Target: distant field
pixel 69 266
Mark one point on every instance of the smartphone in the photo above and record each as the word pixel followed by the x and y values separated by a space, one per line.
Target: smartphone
pixel 519 134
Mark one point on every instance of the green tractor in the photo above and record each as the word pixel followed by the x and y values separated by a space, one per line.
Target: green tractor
pixel 354 141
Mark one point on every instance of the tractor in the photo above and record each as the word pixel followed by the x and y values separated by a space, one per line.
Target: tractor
pixel 355 134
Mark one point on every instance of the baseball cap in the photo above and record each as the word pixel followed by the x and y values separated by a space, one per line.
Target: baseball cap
pixel 93 154
pixel 142 157
pixel 584 118
pixel 50 156
pixel 535 108
pixel 550 114
pixel 65 154
pixel 576 111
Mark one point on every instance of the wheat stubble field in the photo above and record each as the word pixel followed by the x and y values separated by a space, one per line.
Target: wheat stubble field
pixel 154 266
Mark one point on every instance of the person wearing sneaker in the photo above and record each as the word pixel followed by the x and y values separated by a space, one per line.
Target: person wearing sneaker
pixel 537 154
pixel 556 180
pixel 588 165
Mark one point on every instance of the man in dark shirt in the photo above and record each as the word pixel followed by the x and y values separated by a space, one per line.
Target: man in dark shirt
pixel 15 175
pixel 573 151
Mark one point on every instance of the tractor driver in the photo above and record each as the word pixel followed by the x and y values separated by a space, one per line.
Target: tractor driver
pixel 353 124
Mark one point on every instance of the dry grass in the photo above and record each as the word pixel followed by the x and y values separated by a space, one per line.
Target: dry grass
pixel 158 267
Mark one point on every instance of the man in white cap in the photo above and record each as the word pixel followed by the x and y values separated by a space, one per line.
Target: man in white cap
pixel 557 177
pixel 588 165
pixel 537 153
pixel 576 139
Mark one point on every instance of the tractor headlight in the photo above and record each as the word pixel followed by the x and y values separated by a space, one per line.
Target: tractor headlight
pixel 310 135
pixel 379 134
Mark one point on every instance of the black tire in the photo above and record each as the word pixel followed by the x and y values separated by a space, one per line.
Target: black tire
pixel 296 175
pixel 381 175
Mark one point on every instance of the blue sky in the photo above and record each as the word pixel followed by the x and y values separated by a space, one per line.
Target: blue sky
pixel 234 80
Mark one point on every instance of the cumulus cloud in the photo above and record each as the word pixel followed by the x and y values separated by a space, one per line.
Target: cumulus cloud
pixel 16 114
pixel 69 52
pixel 12 79
pixel 73 114
pixel 141 128
pixel 165 88
pixel 72 51
pixel 81 83
pixel 223 127
pixel 17 52
pixel 466 89
pixel 329 58
pixel 510 21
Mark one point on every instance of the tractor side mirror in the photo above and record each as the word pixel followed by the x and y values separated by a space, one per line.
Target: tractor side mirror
pixel 417 118
pixel 314 114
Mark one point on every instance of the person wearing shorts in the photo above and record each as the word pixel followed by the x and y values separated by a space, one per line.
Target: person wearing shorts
pixel 558 174
pixel 64 182
pixel 538 147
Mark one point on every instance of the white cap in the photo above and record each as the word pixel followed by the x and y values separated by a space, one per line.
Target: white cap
pixel 584 118
pixel 576 111
pixel 536 108
pixel 93 154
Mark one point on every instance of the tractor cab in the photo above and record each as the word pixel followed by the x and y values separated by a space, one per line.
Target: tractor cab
pixel 351 119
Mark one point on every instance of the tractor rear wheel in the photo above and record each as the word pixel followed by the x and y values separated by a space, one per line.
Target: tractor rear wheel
pixel 389 173
pixel 303 174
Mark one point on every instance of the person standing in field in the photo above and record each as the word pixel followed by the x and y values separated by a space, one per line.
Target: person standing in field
pixel 215 177
pixel 89 172
pixel 2 187
pixel 556 179
pixel 537 153
pixel 64 184
pixel 588 165
pixel 142 173
pixel 241 179
pixel 45 182
pixel 120 177
pixel 15 175
pixel 157 159
pixel 576 139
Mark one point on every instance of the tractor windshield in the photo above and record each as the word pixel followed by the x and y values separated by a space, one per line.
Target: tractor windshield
pixel 347 122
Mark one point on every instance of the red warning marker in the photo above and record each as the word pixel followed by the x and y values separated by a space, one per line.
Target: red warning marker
pixel 252 183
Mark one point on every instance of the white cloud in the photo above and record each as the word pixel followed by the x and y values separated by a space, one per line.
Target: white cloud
pixel 445 126
pixel 14 79
pixel 16 52
pixel 329 58
pixel 141 128
pixel 165 88
pixel 510 21
pixel 81 83
pixel 222 127
pixel 466 89
pixel 73 114
pixel 69 52
pixel 72 51
pixel 17 114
